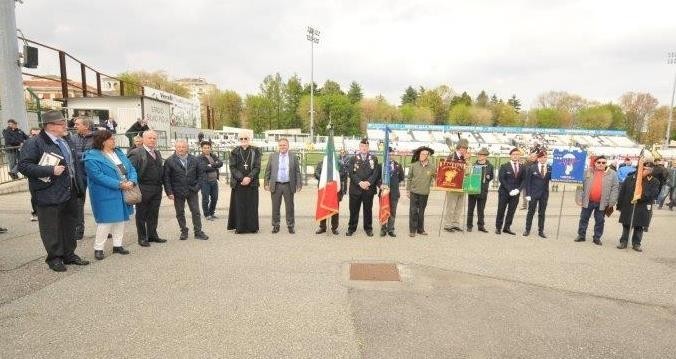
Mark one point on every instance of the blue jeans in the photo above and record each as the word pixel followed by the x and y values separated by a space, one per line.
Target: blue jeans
pixel 599 219
pixel 209 197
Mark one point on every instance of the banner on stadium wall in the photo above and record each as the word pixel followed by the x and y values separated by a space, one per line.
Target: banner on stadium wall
pixel 511 130
pixel 184 112
pixel 568 165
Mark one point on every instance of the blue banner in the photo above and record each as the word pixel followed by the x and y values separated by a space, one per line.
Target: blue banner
pixel 488 129
pixel 568 165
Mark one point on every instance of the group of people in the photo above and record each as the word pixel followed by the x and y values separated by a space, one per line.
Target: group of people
pixel 61 167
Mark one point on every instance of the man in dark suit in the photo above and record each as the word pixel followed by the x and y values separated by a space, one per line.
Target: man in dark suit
pixel 183 176
pixel 537 177
pixel 148 164
pixel 364 172
pixel 510 175
pixel 478 200
pixel 56 188
pixel 638 214
pixel 396 177
pixel 282 179
pixel 211 165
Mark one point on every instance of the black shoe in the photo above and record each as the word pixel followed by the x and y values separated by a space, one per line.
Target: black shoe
pixel 469 229
pixel 99 255
pixel 580 239
pixel 509 231
pixel 526 233
pixel 157 240
pixel 334 231
pixel 57 266
pixel 542 234
pixel 449 229
pixel 637 247
pixel 498 231
pixel 391 234
pixel 201 235
pixel 349 233
pixel 143 243
pixel 183 237
pixel 110 235
pixel 369 233
pixel 422 233
pixel 457 229
pixel 482 229
pixel 291 230
pixel 597 242
pixel 622 245
pixel 77 261
pixel 3 230
pixel 383 233
pixel 275 229
pixel 412 234
pixel 321 230
pixel 120 250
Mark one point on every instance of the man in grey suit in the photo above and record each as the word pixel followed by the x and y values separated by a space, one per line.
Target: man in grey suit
pixel 282 179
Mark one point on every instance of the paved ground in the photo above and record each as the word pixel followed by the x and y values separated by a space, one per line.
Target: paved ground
pixel 472 295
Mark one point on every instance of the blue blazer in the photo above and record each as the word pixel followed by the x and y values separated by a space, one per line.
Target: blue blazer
pixel 104 186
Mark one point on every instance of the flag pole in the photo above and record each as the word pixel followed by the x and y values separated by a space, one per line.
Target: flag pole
pixel 563 197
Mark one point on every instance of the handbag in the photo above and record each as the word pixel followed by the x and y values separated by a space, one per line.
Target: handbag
pixel 132 195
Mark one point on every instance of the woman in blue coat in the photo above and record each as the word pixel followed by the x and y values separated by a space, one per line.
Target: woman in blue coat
pixel 109 172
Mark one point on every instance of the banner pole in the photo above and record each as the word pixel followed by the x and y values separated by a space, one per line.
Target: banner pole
pixel 563 197
pixel 441 221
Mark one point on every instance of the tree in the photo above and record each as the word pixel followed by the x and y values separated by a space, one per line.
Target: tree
pixel 637 106
pixel 657 126
pixel 618 121
pixel 410 96
pixel 460 115
pixel 482 99
pixel 259 113
pixel 377 109
pixel 338 109
pixel 494 100
pixel 332 88
pixel 410 113
pixel 504 115
pixel 561 100
pixel 595 117
pixel 157 80
pixel 293 93
pixel 547 117
pixel 227 108
pixel 434 101
pixel 514 102
pixel 272 89
pixel 355 94
pixel 462 99
pixel 480 116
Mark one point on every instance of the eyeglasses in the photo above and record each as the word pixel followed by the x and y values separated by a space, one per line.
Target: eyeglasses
pixel 244 139
pixel 600 162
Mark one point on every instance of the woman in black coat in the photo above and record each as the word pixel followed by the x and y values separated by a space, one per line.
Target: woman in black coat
pixel 641 211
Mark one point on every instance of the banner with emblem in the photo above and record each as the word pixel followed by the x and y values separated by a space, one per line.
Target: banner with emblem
pixel 450 176
pixel 472 181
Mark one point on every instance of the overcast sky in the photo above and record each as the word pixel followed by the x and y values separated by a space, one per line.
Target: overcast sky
pixel 596 49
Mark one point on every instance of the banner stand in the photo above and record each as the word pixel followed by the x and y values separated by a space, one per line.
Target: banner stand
pixel 441 221
pixel 563 198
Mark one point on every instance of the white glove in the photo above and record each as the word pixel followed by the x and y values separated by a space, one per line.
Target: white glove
pixel 514 192
pixel 528 198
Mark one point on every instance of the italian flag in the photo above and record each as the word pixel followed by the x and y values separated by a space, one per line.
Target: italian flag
pixel 329 183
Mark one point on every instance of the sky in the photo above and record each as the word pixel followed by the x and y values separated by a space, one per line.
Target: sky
pixel 596 49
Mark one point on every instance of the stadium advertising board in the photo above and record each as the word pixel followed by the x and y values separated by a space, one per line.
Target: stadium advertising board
pixel 568 165
pixel 183 112
pixel 485 129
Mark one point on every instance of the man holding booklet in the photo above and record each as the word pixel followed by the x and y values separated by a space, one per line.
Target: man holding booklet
pixel 49 163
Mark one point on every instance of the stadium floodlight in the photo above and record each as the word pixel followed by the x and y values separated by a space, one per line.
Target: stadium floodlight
pixel 313 37
pixel 671 60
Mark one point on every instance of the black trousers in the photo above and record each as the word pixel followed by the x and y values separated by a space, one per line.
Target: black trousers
pixel 356 201
pixel 80 225
pixel 57 229
pixel 635 238
pixel 478 202
pixel 194 206
pixel 416 213
pixel 147 211
pixel 505 201
pixel 334 222
pixel 541 205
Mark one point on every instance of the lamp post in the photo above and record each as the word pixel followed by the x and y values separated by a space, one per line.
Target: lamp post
pixel 313 37
pixel 671 60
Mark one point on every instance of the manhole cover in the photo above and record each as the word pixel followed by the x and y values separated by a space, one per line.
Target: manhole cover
pixel 374 271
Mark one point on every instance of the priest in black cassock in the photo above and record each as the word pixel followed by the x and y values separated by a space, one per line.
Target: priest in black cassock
pixel 245 165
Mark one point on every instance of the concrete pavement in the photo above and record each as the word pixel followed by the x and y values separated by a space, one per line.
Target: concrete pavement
pixel 461 295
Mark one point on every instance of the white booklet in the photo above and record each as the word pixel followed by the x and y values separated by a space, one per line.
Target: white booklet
pixel 49 159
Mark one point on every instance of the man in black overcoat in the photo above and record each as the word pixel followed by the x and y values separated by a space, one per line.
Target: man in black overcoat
pixel 637 215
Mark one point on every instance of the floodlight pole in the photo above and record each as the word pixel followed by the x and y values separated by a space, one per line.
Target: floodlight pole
pixel 671 60
pixel 11 80
pixel 313 37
